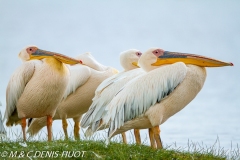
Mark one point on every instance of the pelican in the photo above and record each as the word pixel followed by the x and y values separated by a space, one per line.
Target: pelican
pixel 84 80
pixel 37 87
pixel 172 80
pixel 108 88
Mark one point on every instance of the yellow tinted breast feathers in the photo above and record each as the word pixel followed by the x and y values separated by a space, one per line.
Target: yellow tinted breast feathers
pixel 56 64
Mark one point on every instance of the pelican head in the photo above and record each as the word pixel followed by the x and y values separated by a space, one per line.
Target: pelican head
pixel 32 52
pixel 91 62
pixel 129 59
pixel 157 57
pixel 88 60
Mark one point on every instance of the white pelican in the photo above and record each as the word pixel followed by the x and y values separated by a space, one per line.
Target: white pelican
pixel 108 88
pixel 151 98
pixel 84 80
pixel 36 87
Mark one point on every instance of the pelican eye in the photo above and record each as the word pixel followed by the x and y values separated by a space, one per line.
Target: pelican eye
pixel 157 52
pixel 139 53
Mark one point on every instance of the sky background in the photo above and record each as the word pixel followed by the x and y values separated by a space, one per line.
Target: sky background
pixel 106 28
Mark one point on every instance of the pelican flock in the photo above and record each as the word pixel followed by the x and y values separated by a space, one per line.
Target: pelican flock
pixel 50 86
pixel 108 88
pixel 172 80
pixel 84 80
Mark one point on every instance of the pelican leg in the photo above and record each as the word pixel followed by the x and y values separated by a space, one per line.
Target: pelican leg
pixel 24 124
pixel 157 137
pixel 152 139
pixel 77 127
pixel 65 125
pixel 49 127
pixel 124 138
pixel 137 136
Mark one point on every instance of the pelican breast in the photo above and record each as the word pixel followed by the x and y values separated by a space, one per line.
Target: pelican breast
pixel 36 83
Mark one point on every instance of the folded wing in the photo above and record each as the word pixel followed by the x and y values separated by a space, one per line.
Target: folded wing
pixel 16 85
pixel 137 96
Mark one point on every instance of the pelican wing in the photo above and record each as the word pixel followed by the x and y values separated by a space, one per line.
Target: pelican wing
pixel 104 94
pixel 107 82
pixel 17 83
pixel 137 96
pixel 79 74
pixel 2 129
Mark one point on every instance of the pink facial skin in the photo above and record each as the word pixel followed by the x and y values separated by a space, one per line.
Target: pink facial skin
pixel 31 50
pixel 158 52
pixel 138 54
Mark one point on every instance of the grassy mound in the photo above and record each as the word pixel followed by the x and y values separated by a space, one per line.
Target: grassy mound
pixel 87 149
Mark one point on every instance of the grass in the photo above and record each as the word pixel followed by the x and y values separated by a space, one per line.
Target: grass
pixel 87 149
pixel 95 149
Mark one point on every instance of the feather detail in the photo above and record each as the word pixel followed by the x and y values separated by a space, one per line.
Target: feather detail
pixel 36 125
pixel 2 129
pixel 137 96
pixel 104 94
pixel 16 85
pixel 76 78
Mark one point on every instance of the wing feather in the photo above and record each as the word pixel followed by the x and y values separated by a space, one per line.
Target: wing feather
pixel 137 96
pixel 16 85
pixel 2 129
pixel 107 82
pixel 79 74
pixel 104 94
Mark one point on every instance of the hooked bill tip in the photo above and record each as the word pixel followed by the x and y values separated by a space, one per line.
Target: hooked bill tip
pixel 231 64
pixel 80 61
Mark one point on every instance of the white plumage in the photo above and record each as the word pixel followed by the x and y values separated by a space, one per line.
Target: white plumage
pixel 78 76
pixel 77 98
pixel 150 99
pixel 104 94
pixel 2 129
pixel 138 95
pixel 109 87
